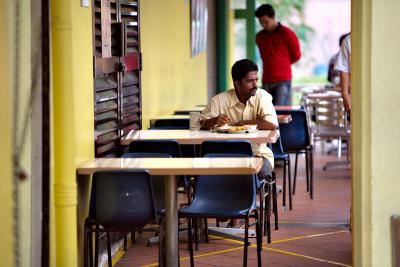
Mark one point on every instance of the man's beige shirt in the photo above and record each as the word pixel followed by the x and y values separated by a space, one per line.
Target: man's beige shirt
pixel 258 106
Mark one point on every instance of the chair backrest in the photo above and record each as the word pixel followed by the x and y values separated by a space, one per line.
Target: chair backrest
pixel 330 113
pixel 171 124
pixel 158 181
pixel 170 147
pixel 276 147
pixel 122 199
pixel 222 192
pixel 295 135
pixel 226 146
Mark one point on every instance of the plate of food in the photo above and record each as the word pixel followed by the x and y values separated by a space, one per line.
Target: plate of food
pixel 236 129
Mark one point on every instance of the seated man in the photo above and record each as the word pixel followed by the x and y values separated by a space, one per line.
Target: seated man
pixel 244 104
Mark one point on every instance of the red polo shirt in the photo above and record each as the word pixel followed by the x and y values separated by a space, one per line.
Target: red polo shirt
pixel 278 50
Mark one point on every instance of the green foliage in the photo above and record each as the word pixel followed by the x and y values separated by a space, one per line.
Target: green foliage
pixel 310 79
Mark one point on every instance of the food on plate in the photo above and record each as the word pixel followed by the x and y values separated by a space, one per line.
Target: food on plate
pixel 237 128
pixel 251 127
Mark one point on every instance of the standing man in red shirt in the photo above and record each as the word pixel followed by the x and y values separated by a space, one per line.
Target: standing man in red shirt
pixel 279 49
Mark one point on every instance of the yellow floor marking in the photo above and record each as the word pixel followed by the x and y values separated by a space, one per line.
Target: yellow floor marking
pixel 268 248
pixel 308 236
pixel 305 256
pixel 118 256
pixel 120 253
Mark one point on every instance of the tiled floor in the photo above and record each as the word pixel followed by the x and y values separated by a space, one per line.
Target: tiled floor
pixel 314 233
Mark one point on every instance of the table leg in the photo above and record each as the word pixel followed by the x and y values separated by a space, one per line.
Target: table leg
pixel 171 222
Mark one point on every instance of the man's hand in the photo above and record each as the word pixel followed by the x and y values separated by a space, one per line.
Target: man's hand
pixel 347 102
pixel 216 121
pixel 222 119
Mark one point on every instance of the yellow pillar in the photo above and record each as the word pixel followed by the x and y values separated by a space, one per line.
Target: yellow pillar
pixel 72 76
pixel 64 149
pixel 361 132
pixel 6 228
pixel 375 128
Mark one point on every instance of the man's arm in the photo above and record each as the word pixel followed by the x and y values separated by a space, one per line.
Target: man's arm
pixel 345 88
pixel 221 119
pixel 293 45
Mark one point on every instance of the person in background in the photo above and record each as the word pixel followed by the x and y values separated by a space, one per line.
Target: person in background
pixel 279 48
pixel 343 66
pixel 333 75
pixel 244 104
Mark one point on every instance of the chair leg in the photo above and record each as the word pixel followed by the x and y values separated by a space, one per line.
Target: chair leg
pixel 196 233
pixel 109 249
pixel 259 239
pixel 190 242
pixel 133 237
pixel 311 175
pixel 161 252
pixel 125 242
pixel 289 183
pixel 246 241
pixel 295 173
pixel 267 214
pixel 96 246
pixel 275 204
pixel 206 230
pixel 262 196
pixel 87 250
pixel 284 185
pixel 307 172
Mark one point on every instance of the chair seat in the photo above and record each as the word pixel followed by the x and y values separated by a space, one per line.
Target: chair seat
pixel 280 156
pixel 202 211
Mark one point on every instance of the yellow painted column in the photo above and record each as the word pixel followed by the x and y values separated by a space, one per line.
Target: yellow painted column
pixel 361 131
pixel 375 128
pixel 72 119
pixel 6 222
pixel 65 192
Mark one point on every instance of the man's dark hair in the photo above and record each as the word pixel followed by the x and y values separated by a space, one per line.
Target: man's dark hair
pixel 241 68
pixel 265 10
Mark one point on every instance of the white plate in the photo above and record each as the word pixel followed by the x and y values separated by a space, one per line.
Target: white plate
pixel 228 129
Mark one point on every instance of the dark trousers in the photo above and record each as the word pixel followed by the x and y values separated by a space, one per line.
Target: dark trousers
pixel 281 92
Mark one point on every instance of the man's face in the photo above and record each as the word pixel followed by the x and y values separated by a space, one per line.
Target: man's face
pixel 267 23
pixel 247 87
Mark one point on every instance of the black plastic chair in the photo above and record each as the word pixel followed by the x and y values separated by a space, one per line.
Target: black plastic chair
pixel 226 146
pixel 281 155
pixel 225 196
pixel 169 147
pixel 158 181
pixel 243 147
pixel 176 124
pixel 266 220
pixel 295 137
pixel 170 124
pixel 120 201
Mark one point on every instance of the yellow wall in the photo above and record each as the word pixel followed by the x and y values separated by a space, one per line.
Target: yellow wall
pixel 6 232
pixel 72 117
pixel 376 128
pixel 171 78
